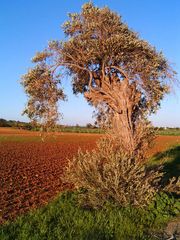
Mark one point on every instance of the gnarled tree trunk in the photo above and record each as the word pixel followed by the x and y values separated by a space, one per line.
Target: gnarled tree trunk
pixel 122 131
pixel 121 97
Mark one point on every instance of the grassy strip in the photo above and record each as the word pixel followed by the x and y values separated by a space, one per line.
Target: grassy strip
pixel 82 130
pixel 74 129
pixel 64 219
pixel 167 132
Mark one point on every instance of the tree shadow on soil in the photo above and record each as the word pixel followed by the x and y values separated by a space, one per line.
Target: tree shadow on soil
pixel 171 165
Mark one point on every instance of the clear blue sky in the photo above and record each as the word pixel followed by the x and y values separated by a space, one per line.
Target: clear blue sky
pixel 27 26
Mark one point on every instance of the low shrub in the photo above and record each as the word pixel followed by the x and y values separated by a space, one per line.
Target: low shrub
pixel 107 173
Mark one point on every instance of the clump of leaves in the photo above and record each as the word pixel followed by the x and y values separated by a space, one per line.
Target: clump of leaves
pixel 108 173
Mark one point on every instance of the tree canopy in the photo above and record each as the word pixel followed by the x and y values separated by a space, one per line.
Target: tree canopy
pixel 120 74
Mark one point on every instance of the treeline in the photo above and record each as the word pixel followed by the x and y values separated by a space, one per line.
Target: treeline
pixel 15 124
pixel 30 126
pixel 166 128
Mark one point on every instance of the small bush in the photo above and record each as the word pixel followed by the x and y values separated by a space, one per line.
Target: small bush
pixel 107 173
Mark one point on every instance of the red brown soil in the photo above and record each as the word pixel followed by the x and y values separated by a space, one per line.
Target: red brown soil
pixel 30 173
pixel 164 142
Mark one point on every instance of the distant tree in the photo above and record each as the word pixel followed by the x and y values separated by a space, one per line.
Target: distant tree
pixel 43 92
pixel 89 125
pixel 4 123
pixel 123 76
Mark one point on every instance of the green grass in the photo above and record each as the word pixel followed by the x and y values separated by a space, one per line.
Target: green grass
pixel 82 130
pixel 170 160
pixel 74 129
pixel 169 132
pixel 164 132
pixel 64 219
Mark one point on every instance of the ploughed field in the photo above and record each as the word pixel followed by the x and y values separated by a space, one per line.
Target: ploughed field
pixel 31 171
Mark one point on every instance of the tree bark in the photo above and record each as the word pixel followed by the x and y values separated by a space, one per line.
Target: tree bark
pixel 121 97
pixel 122 131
